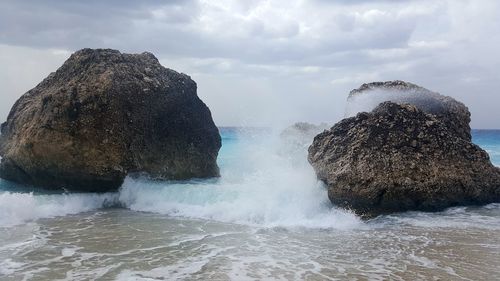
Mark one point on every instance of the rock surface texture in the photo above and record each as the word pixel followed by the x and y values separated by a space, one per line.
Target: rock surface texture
pixel 402 157
pixel 103 115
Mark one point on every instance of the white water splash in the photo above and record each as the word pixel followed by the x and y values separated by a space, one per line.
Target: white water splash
pixel 17 208
pixel 259 186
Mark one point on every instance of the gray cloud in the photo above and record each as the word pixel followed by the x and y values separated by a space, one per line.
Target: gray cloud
pixel 293 59
pixel 198 30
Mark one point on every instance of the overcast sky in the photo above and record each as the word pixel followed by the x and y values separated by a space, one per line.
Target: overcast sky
pixel 267 63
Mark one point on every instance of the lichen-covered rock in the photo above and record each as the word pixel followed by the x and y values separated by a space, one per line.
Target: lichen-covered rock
pixel 103 115
pixel 399 157
pixel 369 95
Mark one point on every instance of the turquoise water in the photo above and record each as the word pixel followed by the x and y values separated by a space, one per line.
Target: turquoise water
pixel 264 182
pixel 267 217
pixel 489 140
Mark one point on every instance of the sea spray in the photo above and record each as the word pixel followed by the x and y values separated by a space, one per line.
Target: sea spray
pixel 367 101
pixel 17 208
pixel 122 244
pixel 259 186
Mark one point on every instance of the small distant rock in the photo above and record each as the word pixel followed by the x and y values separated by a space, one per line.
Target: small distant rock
pixel 302 133
pixel 295 139
pixel 103 115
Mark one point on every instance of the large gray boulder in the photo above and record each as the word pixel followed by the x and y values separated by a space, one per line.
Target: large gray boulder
pixel 103 115
pixel 402 157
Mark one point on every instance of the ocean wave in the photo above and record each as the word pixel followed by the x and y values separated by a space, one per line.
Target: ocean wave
pixel 17 207
pixel 260 185
pixel 287 204
pixel 474 217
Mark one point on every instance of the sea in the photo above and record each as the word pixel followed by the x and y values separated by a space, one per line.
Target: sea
pixel 266 218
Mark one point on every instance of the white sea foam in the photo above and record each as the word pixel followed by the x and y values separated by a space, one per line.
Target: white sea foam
pixel 367 101
pixel 181 270
pixel 17 208
pixel 259 186
pixel 459 218
pixel 237 203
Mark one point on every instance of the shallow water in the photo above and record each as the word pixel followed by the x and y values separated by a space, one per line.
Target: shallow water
pixel 266 218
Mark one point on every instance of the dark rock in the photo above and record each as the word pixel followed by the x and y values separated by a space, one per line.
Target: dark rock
pixel 399 157
pixel 368 96
pixel 103 115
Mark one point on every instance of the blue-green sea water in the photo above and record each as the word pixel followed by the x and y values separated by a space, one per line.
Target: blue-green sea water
pixel 489 140
pixel 266 218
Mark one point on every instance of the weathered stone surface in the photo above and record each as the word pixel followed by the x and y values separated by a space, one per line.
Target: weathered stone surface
pixel 370 95
pixel 399 157
pixel 103 115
